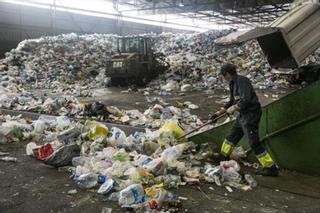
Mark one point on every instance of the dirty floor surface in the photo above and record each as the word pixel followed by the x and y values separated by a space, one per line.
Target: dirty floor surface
pixel 208 102
pixel 30 186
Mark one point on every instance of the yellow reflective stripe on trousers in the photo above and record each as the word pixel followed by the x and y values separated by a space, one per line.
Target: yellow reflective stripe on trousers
pixel 226 148
pixel 265 159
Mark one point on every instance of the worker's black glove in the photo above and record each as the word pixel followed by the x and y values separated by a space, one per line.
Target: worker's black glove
pixel 213 117
pixel 216 115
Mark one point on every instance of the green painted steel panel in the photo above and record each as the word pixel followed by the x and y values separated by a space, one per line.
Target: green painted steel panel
pixel 298 148
pixel 290 128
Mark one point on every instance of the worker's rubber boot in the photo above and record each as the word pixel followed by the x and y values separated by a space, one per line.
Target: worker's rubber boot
pixel 272 171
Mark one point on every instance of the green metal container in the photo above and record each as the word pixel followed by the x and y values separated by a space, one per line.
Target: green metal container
pixel 290 129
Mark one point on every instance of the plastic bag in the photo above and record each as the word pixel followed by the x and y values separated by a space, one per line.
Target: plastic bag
pixel 118 169
pixel 141 160
pixel 156 167
pixel 171 154
pixel 175 129
pixel 238 152
pixel 63 156
pixel 171 85
pixel 109 152
pixel 121 155
pixel 31 147
pixel 95 130
pixel 69 135
pixel 149 147
pixel 62 122
pixel 132 194
pixel 230 164
pixel 50 121
pixel 39 126
pixel 80 170
pixel 86 181
pixel 166 138
pixel 227 172
pixel 99 166
pixel 186 87
pixel 80 161
pixel 16 133
pixel 117 136
pixel 98 131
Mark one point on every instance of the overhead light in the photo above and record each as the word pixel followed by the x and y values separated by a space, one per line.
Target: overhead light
pixel 180 4
pixel 107 14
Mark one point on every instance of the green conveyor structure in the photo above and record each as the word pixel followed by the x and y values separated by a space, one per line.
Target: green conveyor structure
pixel 290 129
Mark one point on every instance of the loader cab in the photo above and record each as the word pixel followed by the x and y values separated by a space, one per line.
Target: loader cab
pixel 133 62
pixel 138 45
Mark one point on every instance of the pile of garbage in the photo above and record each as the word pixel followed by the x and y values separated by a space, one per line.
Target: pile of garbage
pixel 74 64
pixel 14 96
pixel 195 61
pixel 64 62
pixel 154 117
pixel 137 170
pixel 12 128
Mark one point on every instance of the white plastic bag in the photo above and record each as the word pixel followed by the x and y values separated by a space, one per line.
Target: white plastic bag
pixel 132 194
pixel 117 136
pixel 62 122
pixel 39 126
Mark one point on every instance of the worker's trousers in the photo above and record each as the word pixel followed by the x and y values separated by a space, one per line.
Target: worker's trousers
pixel 248 125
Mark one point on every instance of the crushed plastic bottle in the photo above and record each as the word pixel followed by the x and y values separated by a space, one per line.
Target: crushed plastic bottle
pixel 9 159
pixel 249 179
pixel 171 154
pixel 86 181
pixel 106 187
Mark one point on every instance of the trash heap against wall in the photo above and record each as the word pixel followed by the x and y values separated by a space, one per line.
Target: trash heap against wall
pixel 77 62
pixel 63 62
pixel 195 60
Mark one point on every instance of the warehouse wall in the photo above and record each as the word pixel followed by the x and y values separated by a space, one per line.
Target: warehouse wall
pixel 19 22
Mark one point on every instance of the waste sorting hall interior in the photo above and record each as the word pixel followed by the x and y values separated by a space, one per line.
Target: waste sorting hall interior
pixel 75 135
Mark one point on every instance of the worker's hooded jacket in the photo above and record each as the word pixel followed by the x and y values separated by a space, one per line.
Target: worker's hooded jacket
pixel 243 94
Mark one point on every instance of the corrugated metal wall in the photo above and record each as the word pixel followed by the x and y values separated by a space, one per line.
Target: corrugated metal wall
pixel 19 22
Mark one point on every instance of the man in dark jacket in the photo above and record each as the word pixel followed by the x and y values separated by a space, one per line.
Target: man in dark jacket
pixel 244 100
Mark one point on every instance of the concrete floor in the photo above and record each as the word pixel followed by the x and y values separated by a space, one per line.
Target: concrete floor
pixel 31 186
pixel 208 102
